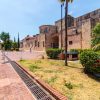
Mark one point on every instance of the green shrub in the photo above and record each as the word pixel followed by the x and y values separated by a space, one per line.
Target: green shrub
pixel 74 50
pixel 69 85
pixel 53 53
pixel 52 79
pixel 96 48
pixel 98 52
pixel 80 50
pixel 89 60
pixel 33 67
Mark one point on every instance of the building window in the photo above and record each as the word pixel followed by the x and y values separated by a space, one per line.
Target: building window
pixel 40 30
pixel 38 44
pixel 46 30
pixel 70 42
pixel 35 43
pixel 43 44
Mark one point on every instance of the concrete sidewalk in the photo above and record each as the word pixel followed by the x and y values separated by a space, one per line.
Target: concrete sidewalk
pixel 11 85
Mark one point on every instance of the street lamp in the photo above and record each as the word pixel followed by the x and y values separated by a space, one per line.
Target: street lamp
pixel 61 24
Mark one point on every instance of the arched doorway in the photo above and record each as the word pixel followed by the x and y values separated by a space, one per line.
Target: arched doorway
pixel 55 42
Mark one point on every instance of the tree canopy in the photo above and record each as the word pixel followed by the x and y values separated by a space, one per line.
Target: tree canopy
pixel 62 1
pixel 7 43
pixel 4 36
pixel 96 35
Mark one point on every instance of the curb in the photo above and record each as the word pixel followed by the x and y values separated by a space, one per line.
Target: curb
pixel 48 88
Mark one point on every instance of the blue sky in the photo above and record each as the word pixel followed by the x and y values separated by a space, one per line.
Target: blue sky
pixel 25 16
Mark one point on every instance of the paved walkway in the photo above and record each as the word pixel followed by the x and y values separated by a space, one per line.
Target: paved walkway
pixel 11 85
pixel 25 55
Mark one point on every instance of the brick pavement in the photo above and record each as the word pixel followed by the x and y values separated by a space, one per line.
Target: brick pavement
pixel 11 85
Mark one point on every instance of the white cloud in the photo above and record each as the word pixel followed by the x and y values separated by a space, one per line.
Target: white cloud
pixel 71 12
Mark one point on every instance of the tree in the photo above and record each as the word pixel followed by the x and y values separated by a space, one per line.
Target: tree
pixel 18 42
pixel 62 4
pixel 96 35
pixel 14 44
pixel 7 43
pixel 4 36
pixel 14 39
pixel 66 27
pixel 97 47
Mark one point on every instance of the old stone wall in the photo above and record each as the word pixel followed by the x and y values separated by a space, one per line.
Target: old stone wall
pixel 86 34
pixel 79 33
pixel 39 42
pixel 74 38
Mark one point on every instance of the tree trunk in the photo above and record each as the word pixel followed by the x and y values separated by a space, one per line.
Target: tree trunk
pixel 66 31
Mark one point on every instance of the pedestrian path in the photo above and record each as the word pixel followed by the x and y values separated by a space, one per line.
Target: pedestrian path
pixel 11 85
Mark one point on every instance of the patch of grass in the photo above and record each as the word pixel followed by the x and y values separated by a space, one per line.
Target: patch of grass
pixel 38 61
pixel 70 80
pixel 70 96
pixel 75 65
pixel 56 63
pixel 52 79
pixel 52 71
pixel 33 67
pixel 48 71
pixel 81 85
pixel 69 85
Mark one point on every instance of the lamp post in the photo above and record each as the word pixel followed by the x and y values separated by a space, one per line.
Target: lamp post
pixel 61 24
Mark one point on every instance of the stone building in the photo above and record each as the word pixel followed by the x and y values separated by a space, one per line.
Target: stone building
pixel 79 33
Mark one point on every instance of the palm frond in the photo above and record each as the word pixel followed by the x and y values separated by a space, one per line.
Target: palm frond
pixel 69 0
pixel 62 1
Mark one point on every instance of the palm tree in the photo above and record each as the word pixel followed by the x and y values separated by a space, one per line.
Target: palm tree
pixel 66 21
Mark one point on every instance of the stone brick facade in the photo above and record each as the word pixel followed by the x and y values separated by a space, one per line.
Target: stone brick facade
pixel 79 33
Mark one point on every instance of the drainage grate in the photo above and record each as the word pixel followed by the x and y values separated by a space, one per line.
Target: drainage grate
pixel 36 90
